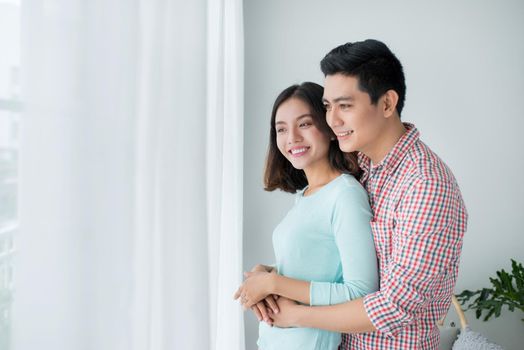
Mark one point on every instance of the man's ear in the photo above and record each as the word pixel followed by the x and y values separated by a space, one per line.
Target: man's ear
pixel 390 103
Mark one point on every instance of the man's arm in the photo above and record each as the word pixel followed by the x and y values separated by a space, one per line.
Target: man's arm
pixel 429 230
pixel 350 317
pixel 426 240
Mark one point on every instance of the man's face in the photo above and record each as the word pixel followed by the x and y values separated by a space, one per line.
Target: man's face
pixel 357 123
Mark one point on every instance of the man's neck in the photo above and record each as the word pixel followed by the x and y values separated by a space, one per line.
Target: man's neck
pixel 386 142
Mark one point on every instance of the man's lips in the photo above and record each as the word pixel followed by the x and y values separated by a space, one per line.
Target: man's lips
pixel 342 135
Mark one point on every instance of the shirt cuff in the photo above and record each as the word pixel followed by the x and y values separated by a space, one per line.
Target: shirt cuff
pixel 319 293
pixel 384 314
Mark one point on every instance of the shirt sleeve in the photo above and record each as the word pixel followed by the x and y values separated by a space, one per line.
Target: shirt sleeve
pixel 425 239
pixel 351 227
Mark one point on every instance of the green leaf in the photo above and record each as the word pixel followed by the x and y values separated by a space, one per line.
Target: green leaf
pixel 490 313
pixel 507 289
pixel 484 294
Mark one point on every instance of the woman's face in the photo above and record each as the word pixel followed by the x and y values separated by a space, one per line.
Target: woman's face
pixel 298 139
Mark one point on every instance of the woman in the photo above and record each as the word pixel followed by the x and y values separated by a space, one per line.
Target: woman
pixel 324 247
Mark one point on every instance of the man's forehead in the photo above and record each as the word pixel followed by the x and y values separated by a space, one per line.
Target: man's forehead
pixel 340 80
pixel 340 87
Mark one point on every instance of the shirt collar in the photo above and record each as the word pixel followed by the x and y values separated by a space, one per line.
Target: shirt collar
pixel 395 155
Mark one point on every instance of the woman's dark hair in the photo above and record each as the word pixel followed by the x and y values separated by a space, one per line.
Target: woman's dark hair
pixel 373 64
pixel 279 172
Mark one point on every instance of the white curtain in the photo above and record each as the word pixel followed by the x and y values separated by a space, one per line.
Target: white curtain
pixel 131 176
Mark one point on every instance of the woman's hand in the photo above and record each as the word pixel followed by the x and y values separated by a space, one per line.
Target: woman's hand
pixel 256 287
pixel 260 308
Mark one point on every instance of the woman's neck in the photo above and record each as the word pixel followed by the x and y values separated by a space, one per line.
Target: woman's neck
pixel 319 176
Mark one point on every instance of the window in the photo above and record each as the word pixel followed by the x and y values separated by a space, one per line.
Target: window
pixel 9 121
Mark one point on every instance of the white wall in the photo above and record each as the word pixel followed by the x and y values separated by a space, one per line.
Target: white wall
pixel 465 80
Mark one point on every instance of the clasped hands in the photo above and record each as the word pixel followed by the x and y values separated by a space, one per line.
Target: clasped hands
pixel 256 293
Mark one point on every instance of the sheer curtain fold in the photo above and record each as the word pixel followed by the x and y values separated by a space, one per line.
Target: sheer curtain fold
pixel 224 167
pixel 131 176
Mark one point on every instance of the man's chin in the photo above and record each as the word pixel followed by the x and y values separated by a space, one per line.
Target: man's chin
pixel 347 149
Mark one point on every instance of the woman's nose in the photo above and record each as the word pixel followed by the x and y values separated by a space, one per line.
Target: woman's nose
pixel 294 136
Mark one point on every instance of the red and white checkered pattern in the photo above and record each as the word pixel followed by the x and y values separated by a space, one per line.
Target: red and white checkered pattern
pixel 418 226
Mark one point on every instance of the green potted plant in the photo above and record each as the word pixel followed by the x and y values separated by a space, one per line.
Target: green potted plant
pixel 507 289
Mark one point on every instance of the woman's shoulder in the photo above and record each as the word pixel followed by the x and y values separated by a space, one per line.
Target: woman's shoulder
pixel 349 182
pixel 350 188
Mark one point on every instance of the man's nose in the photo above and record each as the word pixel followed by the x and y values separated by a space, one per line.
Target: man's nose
pixel 333 119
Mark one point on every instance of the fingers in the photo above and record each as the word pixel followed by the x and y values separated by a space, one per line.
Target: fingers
pixel 263 268
pixel 258 268
pixel 264 311
pixel 237 293
pixel 271 269
pixel 270 301
pixel 246 304
pixel 243 298
pixel 261 312
pixel 271 315
pixel 257 312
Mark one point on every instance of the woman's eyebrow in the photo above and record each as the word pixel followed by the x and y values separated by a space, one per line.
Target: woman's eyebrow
pixel 297 118
pixel 304 116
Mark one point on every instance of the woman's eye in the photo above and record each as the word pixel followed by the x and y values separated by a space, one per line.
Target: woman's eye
pixel 280 130
pixel 305 125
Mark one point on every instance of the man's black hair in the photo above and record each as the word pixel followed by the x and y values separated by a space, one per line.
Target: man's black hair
pixel 373 64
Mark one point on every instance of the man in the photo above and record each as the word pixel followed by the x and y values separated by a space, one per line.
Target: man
pixel 419 215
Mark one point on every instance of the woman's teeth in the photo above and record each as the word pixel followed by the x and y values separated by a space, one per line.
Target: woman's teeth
pixel 298 150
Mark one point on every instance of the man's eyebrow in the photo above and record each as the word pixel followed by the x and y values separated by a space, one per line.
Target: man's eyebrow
pixel 339 99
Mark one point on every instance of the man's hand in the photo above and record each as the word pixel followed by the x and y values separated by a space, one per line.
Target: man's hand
pixel 261 309
pixel 288 314
pixel 263 268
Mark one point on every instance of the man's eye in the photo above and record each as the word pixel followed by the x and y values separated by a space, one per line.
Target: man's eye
pixel 344 106
pixel 327 107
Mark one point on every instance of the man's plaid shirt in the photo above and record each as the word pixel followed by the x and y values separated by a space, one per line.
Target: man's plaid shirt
pixel 418 225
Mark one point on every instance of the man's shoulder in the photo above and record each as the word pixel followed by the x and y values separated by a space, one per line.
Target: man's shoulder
pixel 424 165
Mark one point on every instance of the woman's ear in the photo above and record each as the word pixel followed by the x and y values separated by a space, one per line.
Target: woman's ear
pixel 390 103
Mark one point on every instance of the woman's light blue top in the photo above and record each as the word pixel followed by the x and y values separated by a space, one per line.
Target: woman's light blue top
pixel 326 239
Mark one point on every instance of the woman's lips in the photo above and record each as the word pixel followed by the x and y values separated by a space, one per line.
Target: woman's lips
pixel 298 151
